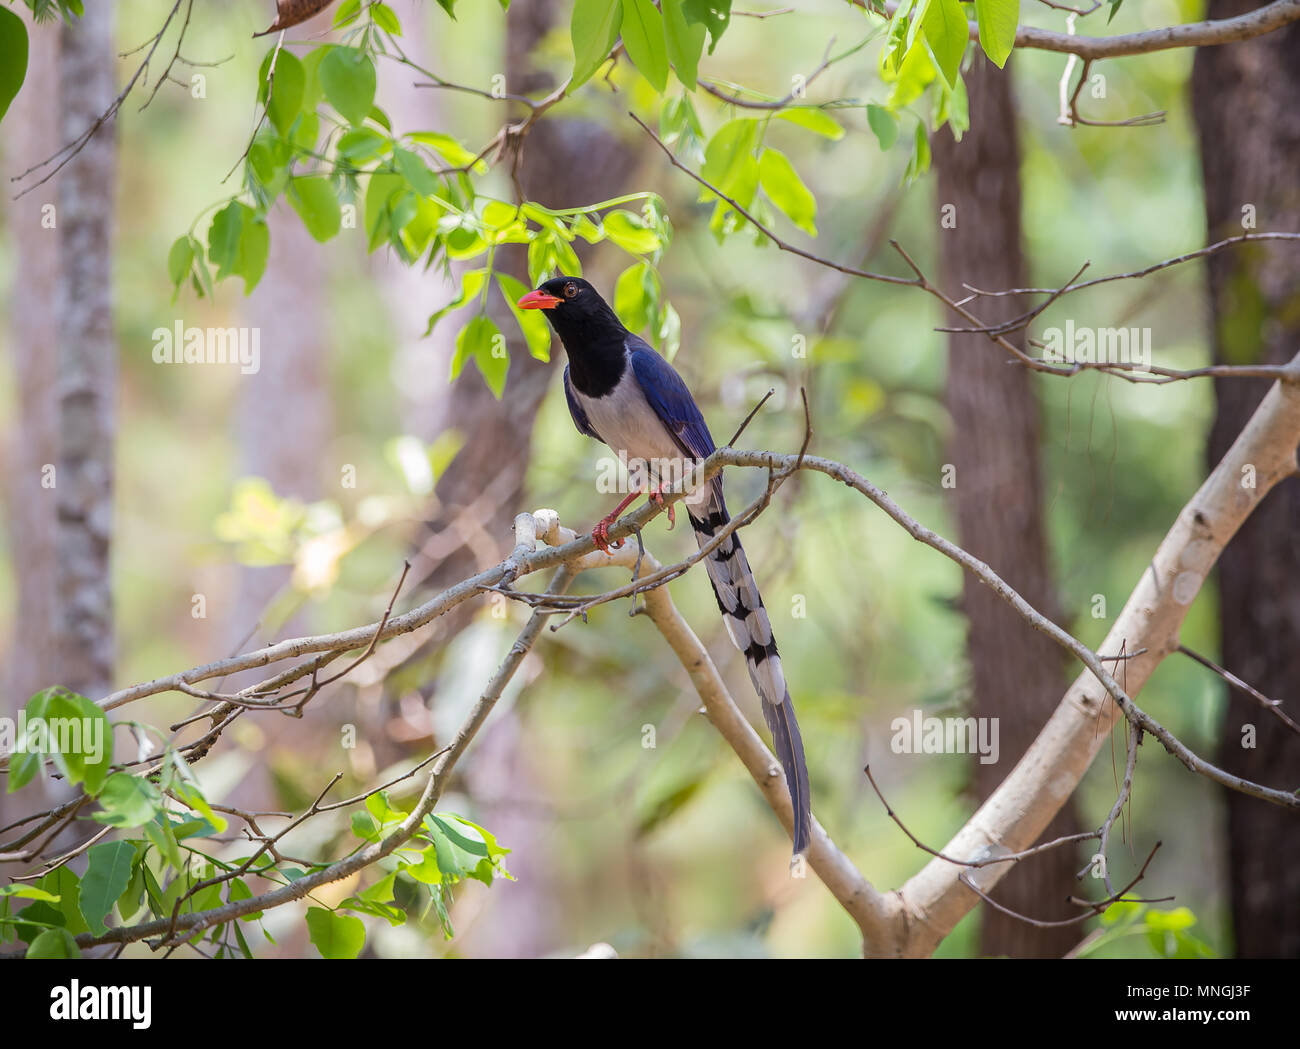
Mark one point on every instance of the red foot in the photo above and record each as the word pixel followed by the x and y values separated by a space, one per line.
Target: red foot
pixel 601 533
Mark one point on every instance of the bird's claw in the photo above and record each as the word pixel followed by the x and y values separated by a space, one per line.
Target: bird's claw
pixel 658 497
pixel 600 535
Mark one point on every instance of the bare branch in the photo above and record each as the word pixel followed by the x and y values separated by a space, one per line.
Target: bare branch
pixel 1194 34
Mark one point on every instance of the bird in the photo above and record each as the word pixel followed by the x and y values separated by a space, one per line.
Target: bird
pixel 621 392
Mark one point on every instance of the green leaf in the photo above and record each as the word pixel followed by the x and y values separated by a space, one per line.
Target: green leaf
pixel 471 284
pixel 106 878
pixel 726 155
pixel 634 295
pixel 630 233
pixel 28 892
pixel 286 89
pixel 128 801
pixel 223 238
pixel 386 18
pixel 482 340
pixel 884 125
pixel 160 834
pixel 464 849
pixel 13 57
pixel 314 200
pixel 180 260
pixel 449 149
pixel 643 36
pixel 670 331
pixel 415 171
pixel 594 30
pixel 390 913
pixel 814 120
pixel 64 885
pixel 920 162
pixel 54 943
pixel 312 92
pixel 348 77
pixel 382 192
pixel 914 75
pixel 335 935
pixel 132 898
pixel 381 807
pixel 946 30
pixel 685 42
pixel 476 333
pixel 80 728
pixel 254 248
pixel 997 20
pixel 381 891
pixel 268 164
pixel 26 761
pixel 449 6
pixel 952 106
pixel 535 328
pixel 360 144
pixel 714 15
pixel 348 12
pixel 239 890
pixel 787 191
pixel 190 794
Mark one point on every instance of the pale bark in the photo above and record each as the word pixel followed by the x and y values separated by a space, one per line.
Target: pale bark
pixel 87 361
pixel 31 132
pixel 1047 776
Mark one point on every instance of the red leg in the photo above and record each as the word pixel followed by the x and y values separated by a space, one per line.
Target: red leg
pixel 601 532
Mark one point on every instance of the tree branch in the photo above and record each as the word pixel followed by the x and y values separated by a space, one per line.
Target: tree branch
pixel 1194 34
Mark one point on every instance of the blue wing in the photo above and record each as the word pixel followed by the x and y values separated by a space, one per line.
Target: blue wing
pixel 580 419
pixel 667 394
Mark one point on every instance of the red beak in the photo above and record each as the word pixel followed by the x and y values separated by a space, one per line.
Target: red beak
pixel 538 300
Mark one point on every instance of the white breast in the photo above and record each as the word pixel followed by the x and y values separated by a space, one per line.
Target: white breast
pixel 627 423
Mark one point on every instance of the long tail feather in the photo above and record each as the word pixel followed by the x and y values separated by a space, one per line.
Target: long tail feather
pixel 751 632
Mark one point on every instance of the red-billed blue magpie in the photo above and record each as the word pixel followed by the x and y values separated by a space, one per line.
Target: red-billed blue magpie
pixel 620 391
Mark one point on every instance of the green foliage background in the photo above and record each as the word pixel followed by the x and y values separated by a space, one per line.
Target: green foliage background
pixel 671 850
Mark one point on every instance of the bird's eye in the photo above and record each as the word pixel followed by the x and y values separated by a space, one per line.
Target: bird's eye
pixel 570 290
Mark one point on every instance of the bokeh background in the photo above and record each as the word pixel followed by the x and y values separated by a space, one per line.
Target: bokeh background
pixel 239 488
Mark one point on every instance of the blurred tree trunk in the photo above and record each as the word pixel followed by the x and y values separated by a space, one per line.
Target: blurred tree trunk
pixel 289 394
pixel 1244 100
pixel 1017 673
pixel 565 163
pixel 31 133
pixel 87 360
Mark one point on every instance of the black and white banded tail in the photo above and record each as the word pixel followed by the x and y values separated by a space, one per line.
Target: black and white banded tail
pixel 751 631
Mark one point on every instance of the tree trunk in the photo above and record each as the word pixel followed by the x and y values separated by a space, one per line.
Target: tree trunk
pixel 1017 673
pixel 31 133
pixel 565 163
pixel 87 356
pixel 32 443
pixel 1244 100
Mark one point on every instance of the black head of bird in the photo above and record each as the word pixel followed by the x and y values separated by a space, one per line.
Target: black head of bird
pixel 580 317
